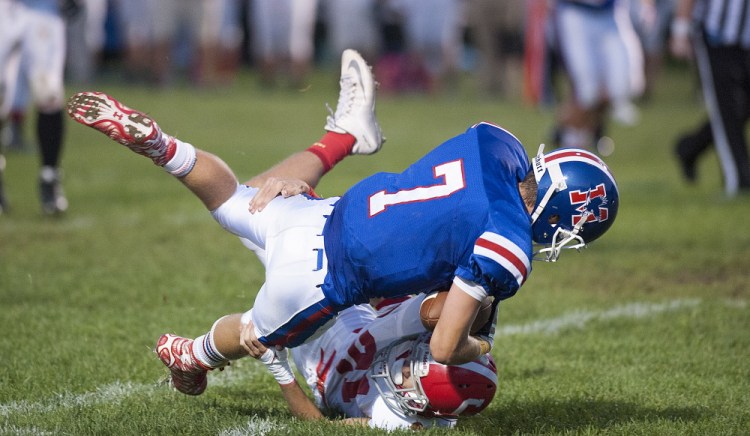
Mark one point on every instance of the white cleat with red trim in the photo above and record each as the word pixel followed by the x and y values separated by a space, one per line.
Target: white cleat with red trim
pixel 129 127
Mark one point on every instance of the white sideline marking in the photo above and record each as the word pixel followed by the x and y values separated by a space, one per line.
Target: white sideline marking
pixel 579 318
pixel 255 427
pixel 118 391
pixel 106 394
pixel 18 431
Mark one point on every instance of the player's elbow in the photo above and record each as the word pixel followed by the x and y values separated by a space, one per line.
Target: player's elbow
pixel 444 353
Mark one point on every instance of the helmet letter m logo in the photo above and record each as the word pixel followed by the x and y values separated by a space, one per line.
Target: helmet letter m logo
pixel 590 201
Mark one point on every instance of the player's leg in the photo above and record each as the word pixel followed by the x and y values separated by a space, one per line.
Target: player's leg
pixel 207 176
pixel 578 41
pixel 352 129
pixel 43 52
pixel 11 29
pixel 189 360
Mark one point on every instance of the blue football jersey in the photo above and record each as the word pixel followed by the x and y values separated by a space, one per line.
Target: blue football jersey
pixel 593 4
pixel 455 212
pixel 51 6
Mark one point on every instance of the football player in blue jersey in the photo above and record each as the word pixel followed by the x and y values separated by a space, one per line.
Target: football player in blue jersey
pixel 603 61
pixel 461 218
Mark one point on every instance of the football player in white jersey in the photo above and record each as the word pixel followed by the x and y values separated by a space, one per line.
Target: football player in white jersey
pixel 374 367
pixel 35 30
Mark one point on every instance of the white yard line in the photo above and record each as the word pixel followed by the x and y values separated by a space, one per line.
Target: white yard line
pixel 579 318
pixel 118 391
pixel 255 427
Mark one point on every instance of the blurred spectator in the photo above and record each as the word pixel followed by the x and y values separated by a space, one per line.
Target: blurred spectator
pixel 651 19
pixel 36 31
pixel 13 135
pixel 497 28
pixel 85 34
pixel 541 58
pixel 352 24
pixel 165 37
pixel 603 60
pixel 283 34
pixel 222 43
pixel 718 35
pixel 171 20
pixel 433 41
pixel 135 24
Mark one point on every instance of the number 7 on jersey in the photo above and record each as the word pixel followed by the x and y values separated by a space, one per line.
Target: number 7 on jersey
pixel 452 174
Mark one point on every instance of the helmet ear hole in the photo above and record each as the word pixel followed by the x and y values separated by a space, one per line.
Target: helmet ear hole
pixel 554 219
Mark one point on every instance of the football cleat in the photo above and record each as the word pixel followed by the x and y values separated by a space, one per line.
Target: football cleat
pixel 129 127
pixel 51 192
pixel 187 374
pixel 355 110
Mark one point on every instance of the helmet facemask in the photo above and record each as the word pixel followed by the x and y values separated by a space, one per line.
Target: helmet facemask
pixel 434 389
pixel 387 372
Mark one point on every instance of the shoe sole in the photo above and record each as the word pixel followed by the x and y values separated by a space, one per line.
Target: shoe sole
pixel 107 115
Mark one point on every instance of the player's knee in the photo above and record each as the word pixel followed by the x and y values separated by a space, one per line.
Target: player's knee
pixel 49 94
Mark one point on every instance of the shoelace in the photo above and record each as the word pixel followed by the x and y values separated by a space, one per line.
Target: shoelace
pixel 346 100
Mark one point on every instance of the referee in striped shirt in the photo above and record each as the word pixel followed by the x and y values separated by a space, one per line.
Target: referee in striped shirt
pixel 719 33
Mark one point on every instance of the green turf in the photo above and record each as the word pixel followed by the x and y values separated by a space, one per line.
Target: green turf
pixel 645 332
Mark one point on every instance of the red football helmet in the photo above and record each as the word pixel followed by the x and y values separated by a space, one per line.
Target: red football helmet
pixel 438 390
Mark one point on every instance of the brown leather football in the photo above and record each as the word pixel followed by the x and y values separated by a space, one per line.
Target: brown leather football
pixel 432 306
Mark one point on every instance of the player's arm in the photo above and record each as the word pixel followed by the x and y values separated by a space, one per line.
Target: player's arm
pixel 679 42
pixel 451 343
pixel 299 403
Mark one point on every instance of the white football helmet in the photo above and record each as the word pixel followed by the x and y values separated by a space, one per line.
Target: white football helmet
pixel 438 390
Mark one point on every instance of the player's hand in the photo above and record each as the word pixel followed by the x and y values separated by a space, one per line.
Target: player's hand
pixel 681 47
pixel 274 187
pixel 679 42
pixel 249 341
pixel 277 362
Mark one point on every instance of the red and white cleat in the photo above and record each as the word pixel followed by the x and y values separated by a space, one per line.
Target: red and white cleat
pixel 129 127
pixel 187 374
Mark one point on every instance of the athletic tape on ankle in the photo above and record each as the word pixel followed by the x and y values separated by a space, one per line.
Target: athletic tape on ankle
pixel 183 160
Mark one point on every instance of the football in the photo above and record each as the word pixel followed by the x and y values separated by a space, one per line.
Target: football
pixel 432 306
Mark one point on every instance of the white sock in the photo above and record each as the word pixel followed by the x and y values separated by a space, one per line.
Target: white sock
pixel 204 349
pixel 183 160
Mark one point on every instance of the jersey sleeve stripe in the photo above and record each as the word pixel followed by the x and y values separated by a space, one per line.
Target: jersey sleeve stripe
pixel 301 326
pixel 504 252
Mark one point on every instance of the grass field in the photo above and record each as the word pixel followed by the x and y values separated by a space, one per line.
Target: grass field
pixel 645 332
